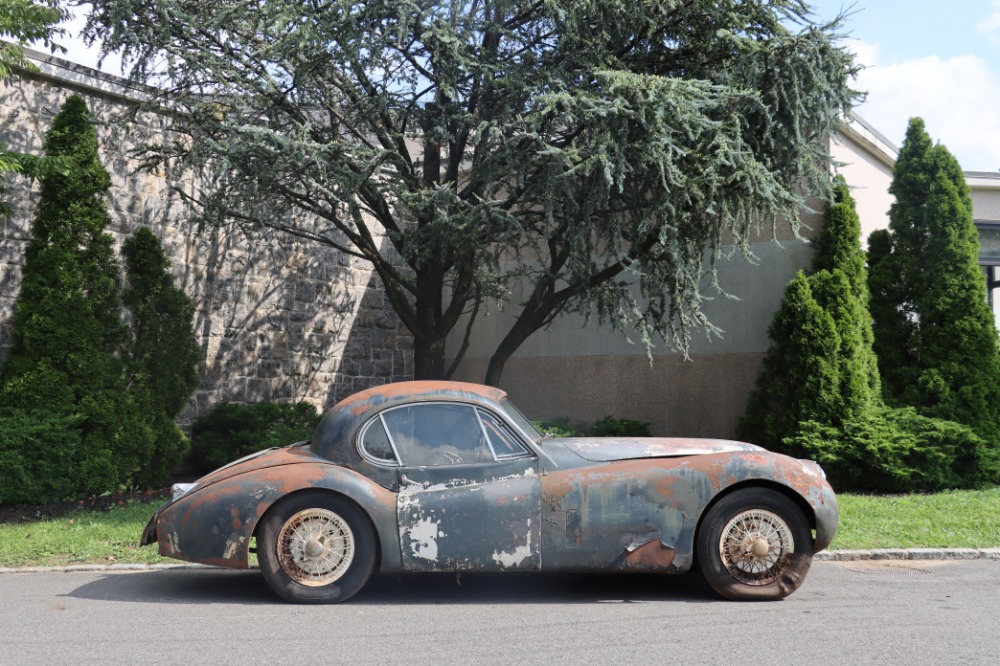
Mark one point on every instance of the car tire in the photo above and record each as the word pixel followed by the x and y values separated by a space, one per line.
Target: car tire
pixel 755 544
pixel 316 548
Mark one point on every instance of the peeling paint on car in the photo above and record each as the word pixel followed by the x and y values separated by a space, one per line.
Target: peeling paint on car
pixel 423 537
pixel 520 554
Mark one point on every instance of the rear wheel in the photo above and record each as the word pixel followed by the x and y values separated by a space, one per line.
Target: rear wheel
pixel 755 544
pixel 316 547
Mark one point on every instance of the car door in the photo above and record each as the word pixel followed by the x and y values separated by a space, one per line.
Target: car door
pixel 469 493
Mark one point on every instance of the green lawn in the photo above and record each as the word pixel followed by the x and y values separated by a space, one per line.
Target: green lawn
pixel 83 537
pixel 959 519
pixel 954 519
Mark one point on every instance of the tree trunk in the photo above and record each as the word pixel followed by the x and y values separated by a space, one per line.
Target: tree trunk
pixel 428 358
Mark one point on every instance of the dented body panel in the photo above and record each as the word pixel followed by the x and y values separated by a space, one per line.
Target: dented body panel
pixel 615 504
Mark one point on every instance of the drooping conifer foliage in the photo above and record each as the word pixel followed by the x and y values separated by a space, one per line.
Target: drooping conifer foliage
pixel 566 151
pixel 934 332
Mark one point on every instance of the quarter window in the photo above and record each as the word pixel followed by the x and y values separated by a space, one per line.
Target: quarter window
pixel 376 444
pixel 503 441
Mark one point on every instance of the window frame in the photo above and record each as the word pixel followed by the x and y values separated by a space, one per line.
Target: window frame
pixel 526 450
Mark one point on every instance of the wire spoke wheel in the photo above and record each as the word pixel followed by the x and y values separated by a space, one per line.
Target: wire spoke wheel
pixel 315 547
pixel 756 547
pixel 754 543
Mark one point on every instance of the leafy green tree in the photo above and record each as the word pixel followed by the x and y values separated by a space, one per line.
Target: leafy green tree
pixel 947 363
pixel 68 331
pixel 162 353
pixel 820 365
pixel 566 151
pixel 22 22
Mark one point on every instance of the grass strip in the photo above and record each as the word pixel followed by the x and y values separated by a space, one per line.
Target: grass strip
pixel 81 537
pixel 954 519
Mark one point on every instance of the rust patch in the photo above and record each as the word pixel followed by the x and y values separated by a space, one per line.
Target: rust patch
pixel 650 556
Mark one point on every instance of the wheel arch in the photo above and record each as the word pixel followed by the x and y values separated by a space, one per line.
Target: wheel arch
pixel 213 524
pixel 333 493
pixel 751 484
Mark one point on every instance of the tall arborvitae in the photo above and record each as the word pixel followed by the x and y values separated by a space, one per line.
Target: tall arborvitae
pixel 893 326
pixel 68 332
pixel 162 357
pixel 800 379
pixel 936 313
pixel 820 366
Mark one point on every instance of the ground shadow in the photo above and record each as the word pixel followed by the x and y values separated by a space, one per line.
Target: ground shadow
pixel 216 586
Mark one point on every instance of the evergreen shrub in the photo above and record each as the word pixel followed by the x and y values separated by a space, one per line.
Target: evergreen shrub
pixel 606 427
pixel 72 351
pixel 38 452
pixel 162 352
pixel 559 427
pixel 230 430
pixel 612 427
pixel 897 451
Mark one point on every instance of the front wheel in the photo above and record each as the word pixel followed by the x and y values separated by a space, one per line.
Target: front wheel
pixel 316 548
pixel 755 544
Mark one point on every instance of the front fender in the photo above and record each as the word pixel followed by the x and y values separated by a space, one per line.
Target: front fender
pixel 804 478
pixel 214 522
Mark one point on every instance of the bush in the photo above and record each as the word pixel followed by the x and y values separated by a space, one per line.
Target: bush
pixel 38 452
pixel 230 431
pixel 612 427
pixel 162 353
pixel 560 427
pixel 606 427
pixel 896 451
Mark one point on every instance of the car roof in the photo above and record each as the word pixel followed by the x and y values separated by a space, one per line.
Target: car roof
pixel 334 438
pixel 399 392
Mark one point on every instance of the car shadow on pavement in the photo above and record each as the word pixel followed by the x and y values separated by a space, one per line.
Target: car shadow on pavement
pixel 219 586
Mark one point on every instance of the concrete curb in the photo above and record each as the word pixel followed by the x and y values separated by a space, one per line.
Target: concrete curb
pixel 884 554
pixel 110 568
pixel 909 554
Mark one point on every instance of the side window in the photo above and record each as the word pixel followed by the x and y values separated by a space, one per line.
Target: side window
pixel 437 434
pixel 376 444
pixel 503 441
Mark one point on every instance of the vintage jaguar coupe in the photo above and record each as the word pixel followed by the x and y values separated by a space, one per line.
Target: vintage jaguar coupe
pixel 444 476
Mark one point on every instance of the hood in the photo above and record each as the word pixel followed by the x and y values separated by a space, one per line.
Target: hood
pixel 606 449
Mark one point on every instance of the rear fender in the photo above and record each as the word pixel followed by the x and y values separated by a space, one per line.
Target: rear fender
pixel 214 524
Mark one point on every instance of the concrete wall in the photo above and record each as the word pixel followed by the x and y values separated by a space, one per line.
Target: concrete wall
pixel 276 319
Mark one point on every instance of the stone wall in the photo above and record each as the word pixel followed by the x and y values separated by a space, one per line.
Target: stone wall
pixel 277 319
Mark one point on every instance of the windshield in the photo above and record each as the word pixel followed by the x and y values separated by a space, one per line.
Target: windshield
pixel 520 420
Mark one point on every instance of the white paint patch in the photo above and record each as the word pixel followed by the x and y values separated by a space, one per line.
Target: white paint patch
pixel 233 549
pixel 520 554
pixel 423 539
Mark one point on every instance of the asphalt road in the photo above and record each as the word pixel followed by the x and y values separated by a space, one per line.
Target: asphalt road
pixel 848 612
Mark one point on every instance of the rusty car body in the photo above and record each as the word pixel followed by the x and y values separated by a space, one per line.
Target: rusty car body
pixel 445 476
